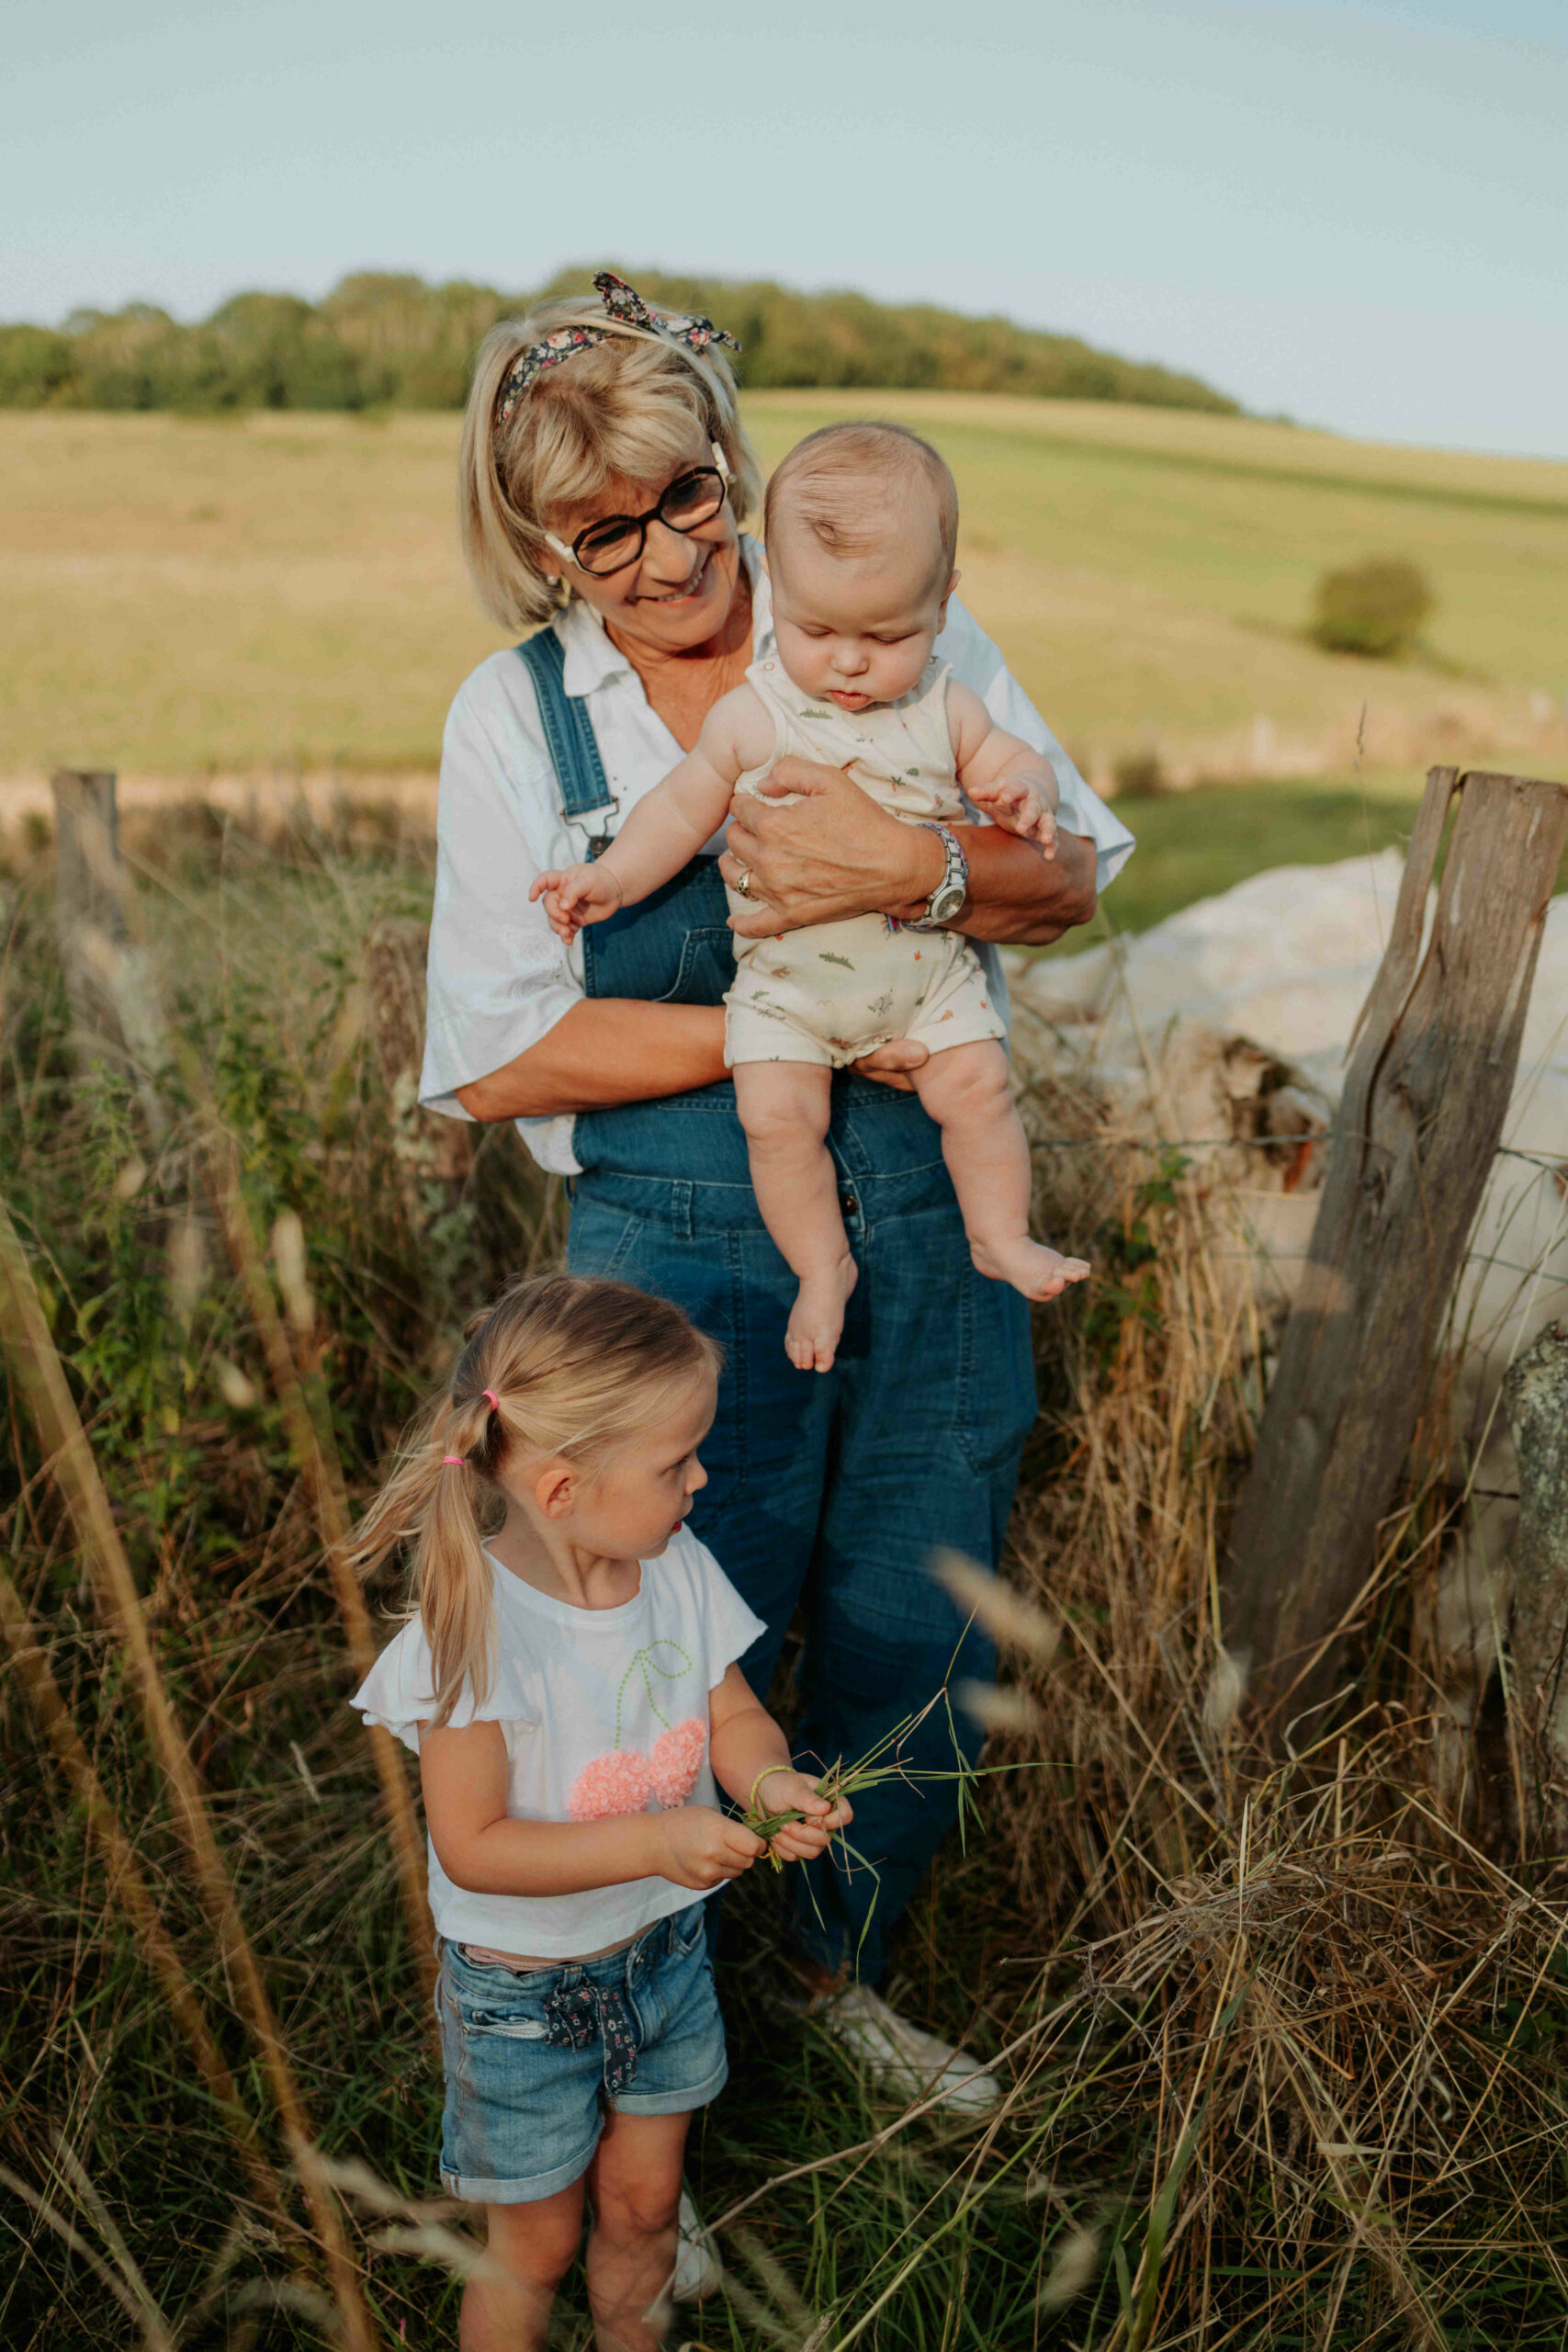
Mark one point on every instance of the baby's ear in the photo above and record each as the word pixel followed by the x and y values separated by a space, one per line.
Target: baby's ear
pixel 946 594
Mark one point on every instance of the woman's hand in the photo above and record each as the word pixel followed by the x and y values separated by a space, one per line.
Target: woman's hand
pixel 832 853
pixel 824 851
pixel 892 1063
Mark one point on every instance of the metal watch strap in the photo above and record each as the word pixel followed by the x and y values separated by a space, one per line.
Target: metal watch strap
pixel 955 869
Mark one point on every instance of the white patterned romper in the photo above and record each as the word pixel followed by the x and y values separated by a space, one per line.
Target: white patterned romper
pixel 836 990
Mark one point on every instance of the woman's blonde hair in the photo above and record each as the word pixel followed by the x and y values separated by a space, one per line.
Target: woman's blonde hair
pixel 628 410
pixel 576 1367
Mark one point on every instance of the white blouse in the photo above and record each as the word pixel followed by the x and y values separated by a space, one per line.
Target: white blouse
pixel 498 977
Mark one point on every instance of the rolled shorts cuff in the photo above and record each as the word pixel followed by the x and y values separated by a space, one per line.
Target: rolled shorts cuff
pixel 680 2102
pixel 472 2190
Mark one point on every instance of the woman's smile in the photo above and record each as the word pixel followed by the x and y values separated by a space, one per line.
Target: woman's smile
pixel 688 589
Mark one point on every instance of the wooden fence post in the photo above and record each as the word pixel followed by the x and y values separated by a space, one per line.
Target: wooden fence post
pixel 1419 1127
pixel 86 886
pixel 1535 1396
pixel 435 1156
pixel 115 1010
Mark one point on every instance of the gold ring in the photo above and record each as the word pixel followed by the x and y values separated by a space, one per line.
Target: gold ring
pixel 743 882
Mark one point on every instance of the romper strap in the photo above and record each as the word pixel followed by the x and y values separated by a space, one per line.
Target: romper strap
pixel 568 732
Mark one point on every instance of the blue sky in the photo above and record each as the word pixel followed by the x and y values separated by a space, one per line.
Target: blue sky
pixel 1355 214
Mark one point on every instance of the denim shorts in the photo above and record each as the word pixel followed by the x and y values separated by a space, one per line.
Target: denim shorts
pixel 534 2061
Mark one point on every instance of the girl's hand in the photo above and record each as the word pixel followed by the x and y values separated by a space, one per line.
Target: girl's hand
pixel 701 1849
pixel 1019 808
pixel 575 895
pixel 785 1790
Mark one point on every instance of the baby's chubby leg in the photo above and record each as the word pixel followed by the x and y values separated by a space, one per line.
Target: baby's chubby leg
pixel 784 1108
pixel 965 1090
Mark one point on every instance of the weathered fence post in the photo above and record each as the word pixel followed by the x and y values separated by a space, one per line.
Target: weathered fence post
pixel 115 1010
pixel 1535 1398
pixel 435 1156
pixel 86 886
pixel 1423 1109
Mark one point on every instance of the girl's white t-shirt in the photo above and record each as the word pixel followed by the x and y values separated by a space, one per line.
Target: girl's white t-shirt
pixel 603 1710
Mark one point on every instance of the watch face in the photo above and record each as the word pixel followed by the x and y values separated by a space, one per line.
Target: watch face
pixel 946 901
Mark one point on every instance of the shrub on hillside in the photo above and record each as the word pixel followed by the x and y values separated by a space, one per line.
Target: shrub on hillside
pixel 1375 608
pixel 1140 776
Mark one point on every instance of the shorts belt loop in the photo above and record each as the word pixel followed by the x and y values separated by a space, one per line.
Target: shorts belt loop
pixel 681 1195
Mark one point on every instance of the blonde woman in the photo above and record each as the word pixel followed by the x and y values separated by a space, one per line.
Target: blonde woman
pixel 569 1683
pixel 604 483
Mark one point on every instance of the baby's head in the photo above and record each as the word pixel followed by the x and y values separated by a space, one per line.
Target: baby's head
pixel 862 523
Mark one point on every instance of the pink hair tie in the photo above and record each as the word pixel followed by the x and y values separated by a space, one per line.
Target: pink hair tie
pixel 453 1462
pixel 492 1399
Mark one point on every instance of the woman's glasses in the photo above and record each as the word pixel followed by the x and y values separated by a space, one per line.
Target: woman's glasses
pixel 693 499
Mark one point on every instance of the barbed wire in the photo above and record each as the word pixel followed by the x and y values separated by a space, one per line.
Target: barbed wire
pixel 1553 1163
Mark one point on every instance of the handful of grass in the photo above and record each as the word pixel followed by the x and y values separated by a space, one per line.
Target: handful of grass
pixel 885 1761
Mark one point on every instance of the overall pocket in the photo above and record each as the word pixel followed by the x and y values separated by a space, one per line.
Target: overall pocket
pixel 706 969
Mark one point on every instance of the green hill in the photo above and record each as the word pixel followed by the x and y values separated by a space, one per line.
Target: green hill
pixel 381 339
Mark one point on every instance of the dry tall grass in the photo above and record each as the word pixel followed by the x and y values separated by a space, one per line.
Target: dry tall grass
pixel 1282 2042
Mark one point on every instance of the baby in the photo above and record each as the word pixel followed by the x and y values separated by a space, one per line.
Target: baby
pixel 861 524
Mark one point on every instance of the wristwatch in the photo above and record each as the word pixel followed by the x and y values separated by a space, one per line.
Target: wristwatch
pixel 947 899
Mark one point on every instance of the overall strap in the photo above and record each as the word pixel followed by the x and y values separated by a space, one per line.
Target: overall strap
pixel 568 732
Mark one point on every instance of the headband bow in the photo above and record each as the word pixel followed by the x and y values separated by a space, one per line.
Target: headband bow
pixel 625 306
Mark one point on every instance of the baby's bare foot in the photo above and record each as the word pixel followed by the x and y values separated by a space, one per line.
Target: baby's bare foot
pixel 817 1318
pixel 1038 1272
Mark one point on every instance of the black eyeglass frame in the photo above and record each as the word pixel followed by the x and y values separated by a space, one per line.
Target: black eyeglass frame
pixel 720 471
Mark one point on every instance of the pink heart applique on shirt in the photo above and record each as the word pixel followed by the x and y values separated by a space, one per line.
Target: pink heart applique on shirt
pixel 622 1781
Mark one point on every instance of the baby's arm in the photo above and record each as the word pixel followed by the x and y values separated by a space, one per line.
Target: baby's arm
pixel 669 824
pixel 484 1851
pixel 1013 784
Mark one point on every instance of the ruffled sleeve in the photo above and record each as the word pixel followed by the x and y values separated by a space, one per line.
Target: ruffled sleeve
pixel 399 1692
pixel 730 1627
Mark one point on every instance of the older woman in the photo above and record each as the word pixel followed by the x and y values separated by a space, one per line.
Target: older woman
pixel 604 479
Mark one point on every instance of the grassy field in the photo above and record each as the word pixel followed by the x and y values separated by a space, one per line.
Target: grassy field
pixel 1284 2046
pixel 183 596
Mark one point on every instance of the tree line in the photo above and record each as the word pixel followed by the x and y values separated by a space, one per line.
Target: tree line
pixel 385 340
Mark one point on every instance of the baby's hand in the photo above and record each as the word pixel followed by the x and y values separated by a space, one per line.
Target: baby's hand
pixel 1019 808
pixel 575 895
pixel 785 1790
pixel 700 1849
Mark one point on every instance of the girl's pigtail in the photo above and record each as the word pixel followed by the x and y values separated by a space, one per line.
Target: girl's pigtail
pixel 453 1577
pixel 431 1503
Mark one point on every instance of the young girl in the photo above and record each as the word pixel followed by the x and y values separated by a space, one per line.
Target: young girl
pixel 569 1687
pixel 861 526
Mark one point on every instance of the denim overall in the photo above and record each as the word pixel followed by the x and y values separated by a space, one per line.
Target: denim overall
pixel 827 1491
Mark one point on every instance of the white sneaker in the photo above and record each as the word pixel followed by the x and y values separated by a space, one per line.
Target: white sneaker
pixel 698 2269
pixel 911 2063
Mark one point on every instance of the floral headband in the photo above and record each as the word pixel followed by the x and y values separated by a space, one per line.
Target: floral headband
pixel 628 308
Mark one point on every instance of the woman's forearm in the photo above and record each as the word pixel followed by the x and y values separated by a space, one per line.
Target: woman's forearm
pixel 605 1051
pixel 1017 897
